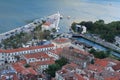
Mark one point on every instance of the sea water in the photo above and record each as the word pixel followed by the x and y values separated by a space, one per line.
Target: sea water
pixel 16 13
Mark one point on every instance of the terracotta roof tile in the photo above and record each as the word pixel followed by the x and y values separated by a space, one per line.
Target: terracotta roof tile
pixel 18 67
pixel 28 48
pixel 61 40
pixel 29 71
pixel 21 69
pixel 15 77
pixel 81 52
pixel 42 63
pixel 116 67
pixel 70 66
pixel 1 50
pixel 112 78
pixel 76 51
pixel 69 75
pixel 79 77
pixel 3 77
pixel 95 68
pixel 36 55
pixel 101 62
pixel 23 61
pixel 92 79
pixel 56 51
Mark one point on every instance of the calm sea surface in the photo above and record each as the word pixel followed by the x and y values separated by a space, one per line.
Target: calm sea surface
pixel 16 13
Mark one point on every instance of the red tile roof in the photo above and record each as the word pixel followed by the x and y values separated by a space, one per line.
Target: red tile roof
pixel 113 78
pixel 92 79
pixel 1 50
pixel 3 77
pixel 70 66
pixel 61 40
pixel 42 63
pixel 21 69
pixel 23 62
pixel 56 51
pixel 28 48
pixel 76 50
pixel 95 68
pixel 81 52
pixel 29 71
pixel 116 67
pixel 79 77
pixel 47 23
pixel 99 65
pixel 15 77
pixel 69 75
pixel 101 62
pixel 18 67
pixel 36 55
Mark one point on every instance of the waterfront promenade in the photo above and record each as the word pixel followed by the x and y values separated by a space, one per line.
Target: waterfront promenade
pixel 30 27
pixel 27 28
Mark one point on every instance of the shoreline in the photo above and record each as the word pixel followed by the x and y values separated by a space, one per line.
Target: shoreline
pixel 26 28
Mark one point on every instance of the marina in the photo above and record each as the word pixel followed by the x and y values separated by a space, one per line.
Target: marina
pixel 97 46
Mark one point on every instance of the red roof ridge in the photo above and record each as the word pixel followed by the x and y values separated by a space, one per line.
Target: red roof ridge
pixel 61 40
pixel 56 51
pixel 28 48
pixel 37 55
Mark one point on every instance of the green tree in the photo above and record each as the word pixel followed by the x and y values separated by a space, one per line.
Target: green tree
pixel 106 31
pixel 52 69
pixel 88 24
pixel 92 61
pixel 54 30
pixel 73 26
pixel 100 54
pixel 27 65
pixel 92 50
pixel 61 61
pixel 55 67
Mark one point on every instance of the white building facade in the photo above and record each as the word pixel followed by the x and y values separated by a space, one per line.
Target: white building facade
pixel 8 56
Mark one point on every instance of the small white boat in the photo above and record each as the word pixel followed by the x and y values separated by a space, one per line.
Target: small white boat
pixel 68 17
pixel 61 17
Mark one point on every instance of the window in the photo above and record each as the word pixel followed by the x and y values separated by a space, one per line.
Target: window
pixel 5 54
pixel 29 59
pixel 2 53
pixel 8 58
pixel 33 59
